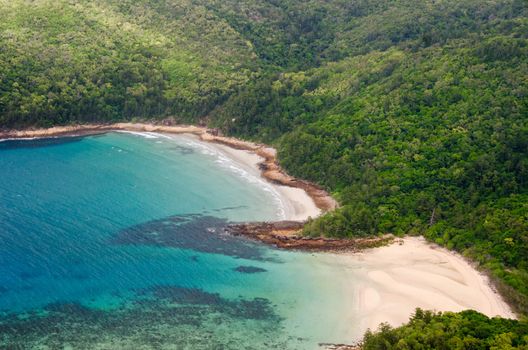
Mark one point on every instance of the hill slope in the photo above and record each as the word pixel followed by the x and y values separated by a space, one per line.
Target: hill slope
pixel 105 60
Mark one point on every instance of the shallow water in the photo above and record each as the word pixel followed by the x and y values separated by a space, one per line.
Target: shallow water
pixel 116 241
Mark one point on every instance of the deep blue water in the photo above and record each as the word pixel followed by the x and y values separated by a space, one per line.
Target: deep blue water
pixel 116 241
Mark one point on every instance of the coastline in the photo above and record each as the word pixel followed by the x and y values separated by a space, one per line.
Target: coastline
pixel 297 204
pixel 395 275
pixel 387 284
pixel 394 278
pixel 305 199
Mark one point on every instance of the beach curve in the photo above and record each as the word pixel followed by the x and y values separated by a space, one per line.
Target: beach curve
pixel 398 278
pixel 302 199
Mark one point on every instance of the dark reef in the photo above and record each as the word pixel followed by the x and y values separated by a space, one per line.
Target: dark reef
pixel 249 269
pixel 160 316
pixel 197 232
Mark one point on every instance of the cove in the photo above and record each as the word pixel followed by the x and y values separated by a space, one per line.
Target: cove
pixel 116 241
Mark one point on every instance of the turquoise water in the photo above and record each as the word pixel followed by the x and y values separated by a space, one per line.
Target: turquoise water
pixel 116 241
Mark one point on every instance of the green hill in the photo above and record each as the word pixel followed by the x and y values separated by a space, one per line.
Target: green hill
pixel 64 61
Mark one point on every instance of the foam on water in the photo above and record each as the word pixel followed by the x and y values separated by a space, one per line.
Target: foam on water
pixel 145 134
pixel 18 138
pixel 228 163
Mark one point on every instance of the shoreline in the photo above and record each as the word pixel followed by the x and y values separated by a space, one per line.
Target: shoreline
pixel 386 284
pixel 398 278
pixel 296 204
pixel 268 166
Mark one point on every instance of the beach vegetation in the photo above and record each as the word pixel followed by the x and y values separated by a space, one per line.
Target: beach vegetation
pixel 450 331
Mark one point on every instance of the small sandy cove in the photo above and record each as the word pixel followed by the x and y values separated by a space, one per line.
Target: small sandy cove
pixel 395 279
pixel 297 204
pixel 387 283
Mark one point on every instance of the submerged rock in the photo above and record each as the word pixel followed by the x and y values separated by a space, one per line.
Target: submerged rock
pixel 162 317
pixel 249 269
pixel 197 232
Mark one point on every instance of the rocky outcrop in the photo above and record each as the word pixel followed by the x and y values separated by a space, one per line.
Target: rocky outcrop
pixel 287 235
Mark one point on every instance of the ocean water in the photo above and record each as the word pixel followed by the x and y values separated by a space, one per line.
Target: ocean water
pixel 115 241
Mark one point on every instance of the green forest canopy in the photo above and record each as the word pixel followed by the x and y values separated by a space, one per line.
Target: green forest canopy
pixel 414 114
pixel 450 331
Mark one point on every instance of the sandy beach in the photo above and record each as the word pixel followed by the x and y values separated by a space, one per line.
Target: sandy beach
pixel 387 284
pixel 298 205
pixel 396 279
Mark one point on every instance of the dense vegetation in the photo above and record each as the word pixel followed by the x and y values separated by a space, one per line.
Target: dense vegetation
pixel 64 61
pixel 450 331
pixel 414 114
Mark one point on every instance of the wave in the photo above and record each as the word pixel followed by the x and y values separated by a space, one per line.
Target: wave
pixel 224 161
pixel 27 138
pixel 236 167
pixel 145 134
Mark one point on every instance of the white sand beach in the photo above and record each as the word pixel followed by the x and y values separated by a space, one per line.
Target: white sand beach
pixel 396 279
pixel 387 284
pixel 298 205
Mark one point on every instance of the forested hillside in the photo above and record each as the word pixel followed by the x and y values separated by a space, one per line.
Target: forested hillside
pixel 64 61
pixel 414 114
pixel 431 142
pixel 96 60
